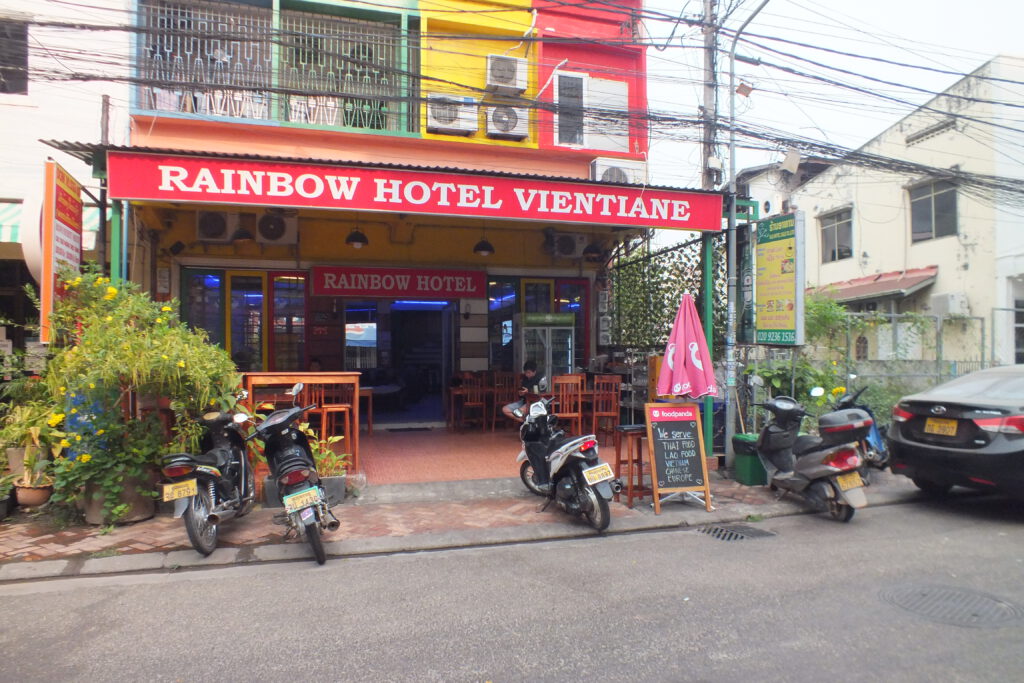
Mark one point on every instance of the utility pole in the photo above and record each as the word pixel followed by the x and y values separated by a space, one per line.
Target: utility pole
pixel 730 330
pixel 101 236
pixel 709 179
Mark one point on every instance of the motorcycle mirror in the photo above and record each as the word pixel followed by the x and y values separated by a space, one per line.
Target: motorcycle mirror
pixel 756 381
pixel 852 376
pixel 212 415
pixel 295 390
pixel 239 418
pixel 817 391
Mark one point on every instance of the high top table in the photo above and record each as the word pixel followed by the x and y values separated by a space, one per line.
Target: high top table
pixel 252 380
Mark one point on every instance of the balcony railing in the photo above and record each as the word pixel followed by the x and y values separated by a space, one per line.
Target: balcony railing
pixel 230 60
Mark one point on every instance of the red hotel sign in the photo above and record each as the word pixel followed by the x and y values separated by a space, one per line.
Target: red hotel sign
pixel 161 177
pixel 399 282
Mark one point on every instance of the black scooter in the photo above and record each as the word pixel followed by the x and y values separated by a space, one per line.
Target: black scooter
pixel 822 470
pixel 306 507
pixel 211 488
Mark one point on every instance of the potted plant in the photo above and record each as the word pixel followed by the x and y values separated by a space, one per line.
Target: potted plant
pixel 114 348
pixel 7 499
pixel 34 485
pixel 28 428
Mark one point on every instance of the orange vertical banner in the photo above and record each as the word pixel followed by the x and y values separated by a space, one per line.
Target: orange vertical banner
pixel 61 235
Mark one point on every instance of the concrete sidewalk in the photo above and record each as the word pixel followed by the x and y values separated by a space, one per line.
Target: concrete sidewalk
pixel 386 519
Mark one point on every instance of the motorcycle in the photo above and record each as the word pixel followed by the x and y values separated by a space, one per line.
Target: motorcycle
pixel 822 470
pixel 214 486
pixel 873 445
pixel 580 483
pixel 307 510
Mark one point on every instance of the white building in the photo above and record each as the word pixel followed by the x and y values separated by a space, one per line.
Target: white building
pixel 943 233
pixel 57 60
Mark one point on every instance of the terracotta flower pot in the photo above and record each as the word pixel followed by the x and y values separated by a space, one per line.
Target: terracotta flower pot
pixel 140 507
pixel 32 496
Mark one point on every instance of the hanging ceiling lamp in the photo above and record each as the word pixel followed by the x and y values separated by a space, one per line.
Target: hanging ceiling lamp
pixel 356 239
pixel 483 248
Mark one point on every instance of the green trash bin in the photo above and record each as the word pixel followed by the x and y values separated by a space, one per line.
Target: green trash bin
pixel 749 470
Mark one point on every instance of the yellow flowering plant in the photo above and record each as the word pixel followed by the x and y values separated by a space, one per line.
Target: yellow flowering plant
pixel 116 350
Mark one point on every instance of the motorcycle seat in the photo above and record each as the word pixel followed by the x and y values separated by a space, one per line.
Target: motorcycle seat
pixel 215 457
pixel 806 444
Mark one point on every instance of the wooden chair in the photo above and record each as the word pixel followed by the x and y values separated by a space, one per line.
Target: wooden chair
pixel 568 391
pixel 333 401
pixel 506 390
pixel 605 404
pixel 474 404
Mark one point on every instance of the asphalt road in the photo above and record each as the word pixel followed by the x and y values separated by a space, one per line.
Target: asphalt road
pixel 803 605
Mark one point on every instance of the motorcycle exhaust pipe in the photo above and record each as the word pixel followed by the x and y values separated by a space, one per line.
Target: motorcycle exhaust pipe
pixel 218 516
pixel 616 485
pixel 332 525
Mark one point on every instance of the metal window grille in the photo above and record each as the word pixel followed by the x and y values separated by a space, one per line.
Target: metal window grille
pixel 205 58
pixel 217 59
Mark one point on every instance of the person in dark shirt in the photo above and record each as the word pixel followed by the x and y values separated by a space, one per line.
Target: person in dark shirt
pixel 527 385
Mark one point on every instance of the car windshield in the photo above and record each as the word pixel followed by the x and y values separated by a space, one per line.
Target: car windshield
pixel 977 385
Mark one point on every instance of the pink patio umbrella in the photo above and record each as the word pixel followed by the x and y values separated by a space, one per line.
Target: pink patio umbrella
pixel 687 369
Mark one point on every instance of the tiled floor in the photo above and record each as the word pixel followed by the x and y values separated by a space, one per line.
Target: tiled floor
pixel 401 457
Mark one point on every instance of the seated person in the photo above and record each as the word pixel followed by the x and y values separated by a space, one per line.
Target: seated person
pixel 528 385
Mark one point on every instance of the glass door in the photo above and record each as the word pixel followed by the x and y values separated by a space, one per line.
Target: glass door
pixel 562 351
pixel 202 302
pixel 288 322
pixel 247 306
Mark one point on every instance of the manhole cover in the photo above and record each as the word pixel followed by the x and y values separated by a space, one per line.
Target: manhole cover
pixel 734 532
pixel 955 606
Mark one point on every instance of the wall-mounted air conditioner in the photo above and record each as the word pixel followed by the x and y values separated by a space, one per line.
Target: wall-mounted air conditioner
pixel 216 226
pixel 624 171
pixel 503 121
pixel 949 304
pixel 273 228
pixel 569 245
pixel 506 75
pixel 452 114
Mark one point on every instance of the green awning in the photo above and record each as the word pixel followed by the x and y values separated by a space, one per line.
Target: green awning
pixel 10 221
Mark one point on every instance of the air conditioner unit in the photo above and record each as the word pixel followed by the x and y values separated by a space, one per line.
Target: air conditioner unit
pixel 273 228
pixel 949 304
pixel 216 226
pixel 452 114
pixel 503 121
pixel 569 245
pixel 622 171
pixel 506 75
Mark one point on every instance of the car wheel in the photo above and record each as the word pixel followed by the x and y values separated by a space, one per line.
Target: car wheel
pixel 930 487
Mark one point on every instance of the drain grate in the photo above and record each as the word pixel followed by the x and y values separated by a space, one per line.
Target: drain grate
pixel 954 606
pixel 734 532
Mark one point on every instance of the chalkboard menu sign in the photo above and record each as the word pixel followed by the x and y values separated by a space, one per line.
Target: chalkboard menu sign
pixel 676 450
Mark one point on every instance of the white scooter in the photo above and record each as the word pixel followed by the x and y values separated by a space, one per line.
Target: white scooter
pixel 580 483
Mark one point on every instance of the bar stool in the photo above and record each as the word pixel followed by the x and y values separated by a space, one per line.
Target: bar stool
pixel 634 436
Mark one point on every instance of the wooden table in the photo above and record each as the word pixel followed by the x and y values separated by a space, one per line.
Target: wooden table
pixel 252 380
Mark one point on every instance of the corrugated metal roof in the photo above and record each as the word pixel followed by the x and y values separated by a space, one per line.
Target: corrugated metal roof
pixel 86 151
pixel 899 283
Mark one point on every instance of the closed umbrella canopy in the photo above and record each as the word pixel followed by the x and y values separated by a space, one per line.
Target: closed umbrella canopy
pixel 687 369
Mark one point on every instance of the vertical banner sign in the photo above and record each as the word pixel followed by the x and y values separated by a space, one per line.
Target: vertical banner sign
pixel 675 450
pixel 779 284
pixel 61 234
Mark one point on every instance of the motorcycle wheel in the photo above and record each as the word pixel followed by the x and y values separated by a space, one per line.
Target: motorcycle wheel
pixel 595 509
pixel 840 511
pixel 529 478
pixel 312 531
pixel 201 533
pixel 250 490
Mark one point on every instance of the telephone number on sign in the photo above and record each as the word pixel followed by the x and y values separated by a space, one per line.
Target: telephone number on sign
pixel 776 336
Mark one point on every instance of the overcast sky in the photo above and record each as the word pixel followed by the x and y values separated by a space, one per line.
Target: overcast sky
pixel 954 36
